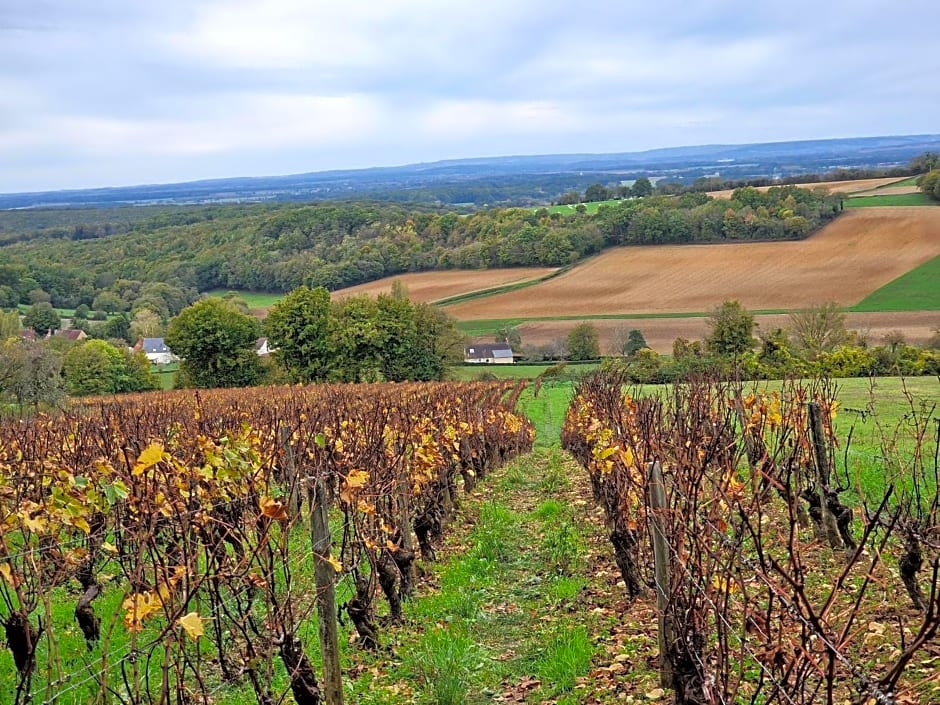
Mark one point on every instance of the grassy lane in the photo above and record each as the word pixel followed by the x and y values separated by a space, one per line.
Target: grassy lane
pixel 523 605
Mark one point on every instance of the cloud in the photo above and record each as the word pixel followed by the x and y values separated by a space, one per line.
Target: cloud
pixel 106 91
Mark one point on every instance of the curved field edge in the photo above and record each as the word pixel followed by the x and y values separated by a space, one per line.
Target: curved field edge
pixel 917 290
pixel 844 262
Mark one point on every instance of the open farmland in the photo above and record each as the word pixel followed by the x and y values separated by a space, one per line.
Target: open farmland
pixel 832 186
pixel 847 260
pixel 917 326
pixel 426 287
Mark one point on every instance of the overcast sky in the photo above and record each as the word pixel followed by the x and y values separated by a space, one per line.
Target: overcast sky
pixel 117 92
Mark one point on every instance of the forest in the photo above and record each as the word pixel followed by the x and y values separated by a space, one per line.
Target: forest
pixel 73 257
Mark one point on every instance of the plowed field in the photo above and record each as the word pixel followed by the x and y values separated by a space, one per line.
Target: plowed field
pixel 841 186
pixel 848 259
pixel 433 286
pixel 917 327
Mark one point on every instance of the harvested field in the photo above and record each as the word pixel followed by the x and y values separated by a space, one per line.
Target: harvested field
pixel 848 259
pixel 917 327
pixel 888 191
pixel 841 186
pixel 433 286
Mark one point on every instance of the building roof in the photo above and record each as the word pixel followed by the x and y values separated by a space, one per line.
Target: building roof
pixel 154 345
pixel 479 352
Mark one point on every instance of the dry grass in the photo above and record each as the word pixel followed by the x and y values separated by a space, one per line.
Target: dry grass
pixel 433 286
pixel 851 257
pixel 660 333
pixel 832 186
pixel 888 191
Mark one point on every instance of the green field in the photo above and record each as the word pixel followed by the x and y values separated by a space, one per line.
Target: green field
pixel 254 299
pixel 918 290
pixel 590 208
pixel 472 372
pixel 904 199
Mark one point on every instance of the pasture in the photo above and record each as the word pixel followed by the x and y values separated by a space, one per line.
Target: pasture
pixel 847 187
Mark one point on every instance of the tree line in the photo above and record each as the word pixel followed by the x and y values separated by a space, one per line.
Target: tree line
pixel 161 264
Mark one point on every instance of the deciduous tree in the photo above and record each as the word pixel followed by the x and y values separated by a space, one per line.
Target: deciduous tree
pixel 583 343
pixel 298 328
pixel 216 342
pixel 42 318
pixel 732 330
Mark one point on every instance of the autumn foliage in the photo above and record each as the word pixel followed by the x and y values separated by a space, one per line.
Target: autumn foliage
pixel 187 511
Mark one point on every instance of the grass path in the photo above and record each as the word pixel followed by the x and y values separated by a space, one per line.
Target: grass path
pixel 523 605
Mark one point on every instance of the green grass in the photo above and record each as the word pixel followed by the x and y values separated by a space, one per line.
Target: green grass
pixel 502 289
pixel 590 208
pixel 904 199
pixel 254 299
pixel 917 290
pixel 467 373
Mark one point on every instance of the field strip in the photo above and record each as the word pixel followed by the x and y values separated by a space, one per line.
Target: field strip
pixel 846 261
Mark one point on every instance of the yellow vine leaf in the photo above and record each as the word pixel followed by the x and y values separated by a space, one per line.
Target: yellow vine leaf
pixel 273 509
pixel 355 479
pixel 337 566
pixel 150 456
pixel 138 607
pixel 8 575
pixel 192 623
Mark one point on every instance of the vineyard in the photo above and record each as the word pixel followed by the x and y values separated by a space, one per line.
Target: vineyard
pixel 166 548
pixel 733 507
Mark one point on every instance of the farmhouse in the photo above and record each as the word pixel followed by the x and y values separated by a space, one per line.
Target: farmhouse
pixel 499 354
pixel 156 351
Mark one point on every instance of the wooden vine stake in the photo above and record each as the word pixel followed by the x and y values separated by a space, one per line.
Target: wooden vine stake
pixel 662 573
pixel 325 575
pixel 829 524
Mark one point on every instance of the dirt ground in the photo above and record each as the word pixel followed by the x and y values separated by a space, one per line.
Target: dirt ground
pixel 660 333
pixel 858 253
pixel 841 186
pixel 432 286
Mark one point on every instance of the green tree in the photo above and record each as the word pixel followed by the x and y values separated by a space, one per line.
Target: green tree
pixel 109 302
pixel 146 324
pixel 818 329
pixel 97 367
pixel 635 342
pixel 298 328
pixel 42 318
pixel 29 373
pixel 9 325
pixel 642 187
pixel 583 343
pixel 596 192
pixel 358 340
pixel 929 184
pixel 510 336
pixel 216 342
pixel 732 330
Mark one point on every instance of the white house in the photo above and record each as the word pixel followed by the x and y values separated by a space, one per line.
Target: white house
pixel 156 351
pixel 499 354
pixel 262 348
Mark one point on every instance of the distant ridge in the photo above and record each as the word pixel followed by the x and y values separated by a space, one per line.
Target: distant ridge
pixel 447 181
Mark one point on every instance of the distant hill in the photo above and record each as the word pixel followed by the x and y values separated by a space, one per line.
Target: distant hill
pixel 511 179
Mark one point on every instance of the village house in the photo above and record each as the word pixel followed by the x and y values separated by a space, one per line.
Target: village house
pixel 482 354
pixel 156 351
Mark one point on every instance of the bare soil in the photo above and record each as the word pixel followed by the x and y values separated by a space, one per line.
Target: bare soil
pixel 917 327
pixel 831 186
pixel 858 253
pixel 428 287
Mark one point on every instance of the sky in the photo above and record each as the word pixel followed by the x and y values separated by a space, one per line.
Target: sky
pixel 119 92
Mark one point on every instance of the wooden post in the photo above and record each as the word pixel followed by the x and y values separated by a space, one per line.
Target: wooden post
pixel 663 573
pixel 326 592
pixel 830 526
pixel 289 476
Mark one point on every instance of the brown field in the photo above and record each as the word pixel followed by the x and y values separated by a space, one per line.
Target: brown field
pixel 841 186
pixel 660 333
pixel 861 251
pixel 433 286
pixel 888 191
